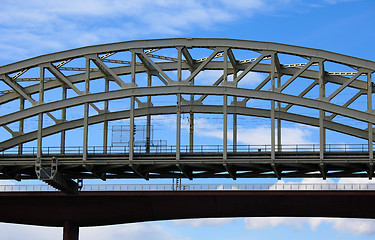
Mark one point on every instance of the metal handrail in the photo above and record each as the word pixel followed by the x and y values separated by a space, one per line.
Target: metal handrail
pixel 201 187
pixel 161 149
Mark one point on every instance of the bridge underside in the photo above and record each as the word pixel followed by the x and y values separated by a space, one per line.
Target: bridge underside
pixel 195 165
pixel 104 208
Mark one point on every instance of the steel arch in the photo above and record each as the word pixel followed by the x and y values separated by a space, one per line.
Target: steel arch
pixel 235 59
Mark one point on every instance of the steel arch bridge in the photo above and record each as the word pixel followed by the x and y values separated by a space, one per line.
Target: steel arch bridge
pixel 141 72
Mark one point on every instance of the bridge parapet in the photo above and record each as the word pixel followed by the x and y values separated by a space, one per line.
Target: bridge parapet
pixel 200 187
pixel 142 149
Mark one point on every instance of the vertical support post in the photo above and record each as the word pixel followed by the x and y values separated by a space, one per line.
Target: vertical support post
pixel 105 124
pixel 86 113
pixel 179 64
pixel 132 106
pixel 178 127
pixel 132 65
pixel 148 127
pixel 131 134
pixel 279 143
pixel 273 138
pixel 191 122
pixel 21 124
pixel 71 231
pixel 40 116
pixel 225 108
pixel 369 109
pixel 322 131
pixel 178 120
pixel 234 116
pixel 63 118
pixel 191 130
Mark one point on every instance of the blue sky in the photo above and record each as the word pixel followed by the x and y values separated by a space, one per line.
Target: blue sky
pixel 31 28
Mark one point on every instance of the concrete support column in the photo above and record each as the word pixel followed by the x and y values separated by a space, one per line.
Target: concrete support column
pixel 71 231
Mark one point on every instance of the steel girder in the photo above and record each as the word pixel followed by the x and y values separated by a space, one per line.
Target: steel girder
pixel 166 66
pixel 219 55
pixel 110 116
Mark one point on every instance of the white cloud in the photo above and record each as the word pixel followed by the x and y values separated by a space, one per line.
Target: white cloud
pixel 17 231
pixel 39 26
pixel 135 231
pixel 210 222
pixel 251 79
pixel 355 180
pixel 208 77
pixel 354 227
pixel 337 1
pixel 272 222
pixel 260 135
pixel 35 27
pixel 8 182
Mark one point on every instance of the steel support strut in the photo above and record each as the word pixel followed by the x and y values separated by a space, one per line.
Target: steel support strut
pixel 370 125
pixel 225 110
pixel 273 138
pixel 40 116
pixel 322 132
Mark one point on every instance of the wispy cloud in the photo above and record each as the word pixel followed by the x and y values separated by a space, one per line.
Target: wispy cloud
pixel 259 135
pixel 135 231
pixel 36 27
pixel 39 26
pixel 354 227
pixel 211 222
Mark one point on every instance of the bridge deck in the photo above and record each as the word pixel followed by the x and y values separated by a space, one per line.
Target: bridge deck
pixel 199 164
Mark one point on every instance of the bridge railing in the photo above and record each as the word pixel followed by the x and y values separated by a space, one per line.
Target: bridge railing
pixel 200 187
pixel 201 149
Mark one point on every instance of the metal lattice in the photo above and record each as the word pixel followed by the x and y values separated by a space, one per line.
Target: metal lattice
pixel 145 70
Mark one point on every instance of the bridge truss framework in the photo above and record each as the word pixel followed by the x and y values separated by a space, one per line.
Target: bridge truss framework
pixel 172 67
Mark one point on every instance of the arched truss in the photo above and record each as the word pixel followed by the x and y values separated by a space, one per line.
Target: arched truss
pixel 144 69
